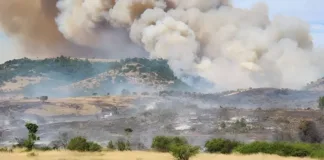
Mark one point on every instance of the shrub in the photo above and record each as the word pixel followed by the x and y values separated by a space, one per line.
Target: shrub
pixel 308 132
pixel 81 144
pixel 163 143
pixel 278 148
pixel 78 144
pixel 44 148
pixel 122 145
pixel 321 103
pixel 111 146
pixel 94 147
pixel 183 152
pixel 285 136
pixel 32 154
pixel 6 150
pixel 223 146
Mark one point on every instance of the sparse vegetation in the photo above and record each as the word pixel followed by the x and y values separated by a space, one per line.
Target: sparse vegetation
pixel 62 141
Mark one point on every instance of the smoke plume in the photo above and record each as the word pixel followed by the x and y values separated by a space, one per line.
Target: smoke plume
pixel 228 46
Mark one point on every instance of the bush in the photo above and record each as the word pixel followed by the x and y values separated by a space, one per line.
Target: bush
pixel 183 152
pixel 78 144
pixel 94 147
pixel 278 148
pixel 308 132
pixel 321 103
pixel 163 143
pixel 111 146
pixel 223 146
pixel 122 145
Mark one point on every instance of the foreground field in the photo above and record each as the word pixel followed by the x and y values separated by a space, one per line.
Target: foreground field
pixel 136 155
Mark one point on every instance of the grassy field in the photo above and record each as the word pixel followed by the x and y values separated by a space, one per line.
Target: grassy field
pixel 134 155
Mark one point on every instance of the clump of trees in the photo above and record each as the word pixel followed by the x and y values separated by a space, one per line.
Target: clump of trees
pixel 81 144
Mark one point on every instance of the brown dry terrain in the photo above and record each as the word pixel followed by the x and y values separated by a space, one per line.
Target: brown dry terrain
pixel 135 155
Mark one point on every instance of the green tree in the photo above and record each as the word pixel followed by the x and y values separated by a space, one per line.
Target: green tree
pixel 32 137
pixel 321 103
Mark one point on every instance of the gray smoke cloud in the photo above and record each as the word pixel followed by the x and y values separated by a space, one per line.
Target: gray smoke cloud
pixel 231 47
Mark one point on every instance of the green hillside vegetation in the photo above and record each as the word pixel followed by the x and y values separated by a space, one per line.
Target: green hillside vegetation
pixel 66 70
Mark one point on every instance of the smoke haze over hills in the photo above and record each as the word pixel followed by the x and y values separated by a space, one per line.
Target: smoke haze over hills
pixel 231 47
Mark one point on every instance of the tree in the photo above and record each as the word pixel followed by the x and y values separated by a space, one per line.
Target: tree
pixel 32 137
pixel 308 132
pixel 43 98
pixel 184 152
pixel 321 103
pixel 128 131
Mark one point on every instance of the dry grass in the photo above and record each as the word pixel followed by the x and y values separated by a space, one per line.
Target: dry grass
pixel 18 83
pixel 135 155
pixel 78 105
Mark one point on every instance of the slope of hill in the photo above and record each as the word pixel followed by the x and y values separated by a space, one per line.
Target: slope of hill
pixel 83 77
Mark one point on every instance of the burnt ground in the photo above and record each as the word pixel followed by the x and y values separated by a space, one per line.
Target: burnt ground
pixel 196 118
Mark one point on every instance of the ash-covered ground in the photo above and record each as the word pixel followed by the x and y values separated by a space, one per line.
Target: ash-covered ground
pixel 255 114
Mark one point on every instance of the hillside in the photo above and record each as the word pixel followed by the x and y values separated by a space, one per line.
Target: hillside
pixel 317 85
pixel 76 77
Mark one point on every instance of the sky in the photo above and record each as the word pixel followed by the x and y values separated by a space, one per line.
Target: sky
pixel 311 11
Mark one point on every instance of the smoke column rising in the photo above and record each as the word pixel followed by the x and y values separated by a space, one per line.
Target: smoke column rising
pixel 231 47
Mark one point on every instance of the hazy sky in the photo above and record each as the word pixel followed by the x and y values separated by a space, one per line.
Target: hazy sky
pixel 311 11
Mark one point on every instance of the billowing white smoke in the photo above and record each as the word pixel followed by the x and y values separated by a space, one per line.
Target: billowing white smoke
pixel 228 46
